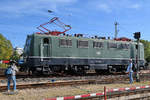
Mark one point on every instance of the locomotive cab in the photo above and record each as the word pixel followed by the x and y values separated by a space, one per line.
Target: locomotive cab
pixel 27 53
pixel 37 51
pixel 28 48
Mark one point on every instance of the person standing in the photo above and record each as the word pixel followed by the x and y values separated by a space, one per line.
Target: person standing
pixel 130 71
pixel 12 76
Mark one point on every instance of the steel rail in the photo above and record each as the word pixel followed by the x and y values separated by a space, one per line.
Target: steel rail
pixel 50 84
pixel 112 94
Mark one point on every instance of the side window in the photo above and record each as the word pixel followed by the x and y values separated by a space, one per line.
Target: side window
pixel 45 41
pixel 65 42
pixel 123 46
pixel 98 44
pixel 112 45
pixel 82 44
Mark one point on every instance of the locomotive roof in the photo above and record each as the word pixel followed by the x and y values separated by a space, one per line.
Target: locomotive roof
pixel 82 38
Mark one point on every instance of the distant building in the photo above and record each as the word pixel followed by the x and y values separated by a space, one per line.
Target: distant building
pixel 18 50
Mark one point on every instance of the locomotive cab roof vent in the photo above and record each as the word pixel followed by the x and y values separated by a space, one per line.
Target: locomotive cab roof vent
pixel 102 38
pixel 78 35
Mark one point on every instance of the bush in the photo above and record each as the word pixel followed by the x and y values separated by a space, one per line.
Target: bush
pixel 3 65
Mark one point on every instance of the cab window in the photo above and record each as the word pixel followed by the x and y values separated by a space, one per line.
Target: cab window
pixel 45 41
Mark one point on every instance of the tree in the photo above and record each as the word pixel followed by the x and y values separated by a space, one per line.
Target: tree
pixel 146 49
pixel 15 56
pixel 6 49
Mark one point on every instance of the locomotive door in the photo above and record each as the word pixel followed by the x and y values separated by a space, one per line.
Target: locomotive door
pixel 46 47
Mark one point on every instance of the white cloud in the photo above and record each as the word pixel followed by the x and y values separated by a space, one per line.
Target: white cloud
pixel 109 6
pixel 104 7
pixel 21 7
pixel 135 6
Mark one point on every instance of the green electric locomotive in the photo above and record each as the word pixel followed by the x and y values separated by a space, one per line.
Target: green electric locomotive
pixel 76 54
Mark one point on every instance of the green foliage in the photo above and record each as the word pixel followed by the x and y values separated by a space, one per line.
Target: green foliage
pixel 15 56
pixel 146 49
pixel 6 49
pixel 3 65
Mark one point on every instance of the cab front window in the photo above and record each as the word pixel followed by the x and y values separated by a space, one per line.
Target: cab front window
pixel 27 45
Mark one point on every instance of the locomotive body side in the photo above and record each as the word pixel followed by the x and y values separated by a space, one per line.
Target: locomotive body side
pixel 77 54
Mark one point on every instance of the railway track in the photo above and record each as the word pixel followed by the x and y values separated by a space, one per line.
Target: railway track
pixel 25 75
pixel 101 79
pixel 139 94
pixel 126 95
pixel 50 84
pixel 131 93
pixel 54 83
pixel 82 82
pixel 77 81
pixel 63 77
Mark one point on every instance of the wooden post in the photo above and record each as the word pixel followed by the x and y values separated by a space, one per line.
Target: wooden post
pixel 105 95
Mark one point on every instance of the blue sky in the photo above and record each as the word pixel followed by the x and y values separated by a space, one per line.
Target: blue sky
pixel 18 18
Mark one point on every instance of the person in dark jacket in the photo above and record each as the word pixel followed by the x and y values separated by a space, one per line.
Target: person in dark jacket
pixel 12 76
pixel 130 71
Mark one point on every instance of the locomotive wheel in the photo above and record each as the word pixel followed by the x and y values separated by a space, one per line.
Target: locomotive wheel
pixel 81 72
pixel 102 71
pixel 112 70
pixel 76 70
pixel 98 71
pixel 32 71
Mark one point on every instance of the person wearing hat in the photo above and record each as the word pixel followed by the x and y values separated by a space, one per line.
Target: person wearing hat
pixel 12 76
pixel 130 71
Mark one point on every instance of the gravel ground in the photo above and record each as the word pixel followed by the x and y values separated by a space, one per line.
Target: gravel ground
pixel 48 79
pixel 41 93
pixel 38 80
pixel 120 79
